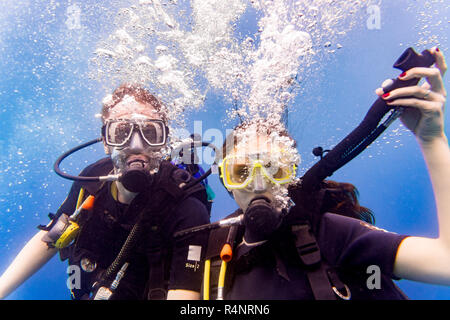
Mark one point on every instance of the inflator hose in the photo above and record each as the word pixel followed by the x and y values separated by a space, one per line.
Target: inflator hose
pixel 367 131
pixel 124 251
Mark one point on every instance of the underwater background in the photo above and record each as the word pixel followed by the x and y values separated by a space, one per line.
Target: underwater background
pixel 52 85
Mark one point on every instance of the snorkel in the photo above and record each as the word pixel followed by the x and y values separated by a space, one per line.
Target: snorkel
pixel 369 129
pixel 353 144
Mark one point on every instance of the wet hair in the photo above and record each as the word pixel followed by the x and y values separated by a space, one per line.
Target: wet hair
pixel 342 198
pixel 261 128
pixel 139 93
pixel 339 197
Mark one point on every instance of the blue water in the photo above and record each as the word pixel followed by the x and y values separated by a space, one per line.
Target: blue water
pixel 47 105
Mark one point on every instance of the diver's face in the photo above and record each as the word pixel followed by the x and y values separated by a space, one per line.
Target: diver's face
pixel 136 148
pixel 260 185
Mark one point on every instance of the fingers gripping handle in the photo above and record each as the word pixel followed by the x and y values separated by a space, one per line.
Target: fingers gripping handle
pixel 368 130
pixel 408 60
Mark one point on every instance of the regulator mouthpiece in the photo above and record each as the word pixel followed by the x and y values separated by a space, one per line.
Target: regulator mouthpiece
pixel 261 219
pixel 137 177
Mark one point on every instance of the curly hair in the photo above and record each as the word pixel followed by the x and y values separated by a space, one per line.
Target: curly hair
pixel 139 93
pixel 261 128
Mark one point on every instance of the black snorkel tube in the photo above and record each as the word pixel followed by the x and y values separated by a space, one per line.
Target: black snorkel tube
pixel 368 130
pixel 354 143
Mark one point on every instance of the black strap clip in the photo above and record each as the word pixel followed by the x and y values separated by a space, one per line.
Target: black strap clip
pixel 306 245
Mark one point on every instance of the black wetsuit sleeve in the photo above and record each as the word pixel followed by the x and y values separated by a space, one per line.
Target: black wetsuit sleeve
pixel 186 269
pixel 353 244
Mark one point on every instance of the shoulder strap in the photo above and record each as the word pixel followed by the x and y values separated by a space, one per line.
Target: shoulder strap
pixel 216 241
pixel 324 280
pixel 157 284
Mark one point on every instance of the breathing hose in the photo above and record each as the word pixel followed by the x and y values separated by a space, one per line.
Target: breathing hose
pixel 368 130
pixel 355 142
pixel 68 153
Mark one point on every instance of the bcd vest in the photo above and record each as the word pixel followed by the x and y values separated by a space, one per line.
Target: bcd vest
pixel 299 229
pixel 112 233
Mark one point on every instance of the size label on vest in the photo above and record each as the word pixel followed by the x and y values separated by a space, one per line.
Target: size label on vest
pixel 194 253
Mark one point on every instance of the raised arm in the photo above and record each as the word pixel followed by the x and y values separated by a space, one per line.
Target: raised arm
pixel 30 259
pixel 419 258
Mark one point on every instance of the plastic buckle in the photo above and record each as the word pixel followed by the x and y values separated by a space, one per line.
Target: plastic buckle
pixel 306 245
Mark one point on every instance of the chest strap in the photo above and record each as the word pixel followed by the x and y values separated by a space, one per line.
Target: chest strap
pixel 324 281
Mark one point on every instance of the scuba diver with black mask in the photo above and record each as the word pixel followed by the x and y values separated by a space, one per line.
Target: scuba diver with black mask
pixel 320 243
pixel 117 233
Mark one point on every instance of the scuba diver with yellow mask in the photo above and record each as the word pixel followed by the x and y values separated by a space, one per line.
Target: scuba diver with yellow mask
pixel 115 226
pixel 319 243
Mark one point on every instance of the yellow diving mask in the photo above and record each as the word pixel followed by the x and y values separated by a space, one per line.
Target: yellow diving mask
pixel 238 171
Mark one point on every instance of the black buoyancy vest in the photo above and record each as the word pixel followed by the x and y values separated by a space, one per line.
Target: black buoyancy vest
pixel 324 281
pixel 105 230
pixel 300 228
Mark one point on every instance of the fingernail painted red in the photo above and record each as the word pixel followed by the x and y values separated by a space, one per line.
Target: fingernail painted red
pixel 386 95
pixel 402 75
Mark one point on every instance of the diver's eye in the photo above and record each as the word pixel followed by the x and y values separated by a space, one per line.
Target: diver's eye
pixel 118 132
pixel 122 131
pixel 271 169
pixel 279 174
pixel 240 172
pixel 149 132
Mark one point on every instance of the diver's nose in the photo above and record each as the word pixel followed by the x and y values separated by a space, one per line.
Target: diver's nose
pixel 136 142
pixel 259 183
